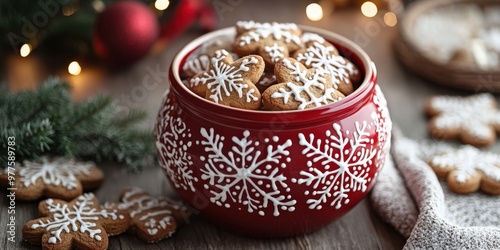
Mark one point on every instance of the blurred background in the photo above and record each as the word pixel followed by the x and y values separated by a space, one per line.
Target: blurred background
pixel 123 48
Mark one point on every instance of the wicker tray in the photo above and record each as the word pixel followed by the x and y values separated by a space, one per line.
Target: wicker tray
pixel 467 78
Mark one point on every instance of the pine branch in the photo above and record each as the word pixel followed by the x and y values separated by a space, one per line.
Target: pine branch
pixel 32 139
pixel 46 121
pixel 133 116
pixel 124 146
pixel 48 101
pixel 85 112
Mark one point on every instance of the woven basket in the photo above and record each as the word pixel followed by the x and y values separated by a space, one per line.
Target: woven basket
pixel 472 79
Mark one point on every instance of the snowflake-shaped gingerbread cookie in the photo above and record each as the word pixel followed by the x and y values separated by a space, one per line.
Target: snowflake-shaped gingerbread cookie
pixel 230 83
pixel 299 87
pixel 51 177
pixel 468 169
pixel 325 56
pixel 80 223
pixel 273 41
pixel 473 119
pixel 153 218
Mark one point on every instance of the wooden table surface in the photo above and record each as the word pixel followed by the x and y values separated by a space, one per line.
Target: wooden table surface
pixel 143 85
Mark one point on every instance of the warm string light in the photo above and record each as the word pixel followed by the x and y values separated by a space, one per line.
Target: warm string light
pixel 162 4
pixel 390 19
pixel 369 9
pixel 98 6
pixel 25 50
pixel 314 12
pixel 74 68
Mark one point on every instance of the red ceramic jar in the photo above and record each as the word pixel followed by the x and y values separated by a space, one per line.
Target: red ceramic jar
pixel 273 174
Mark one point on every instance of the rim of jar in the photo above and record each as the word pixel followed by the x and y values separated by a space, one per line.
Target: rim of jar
pixel 227 115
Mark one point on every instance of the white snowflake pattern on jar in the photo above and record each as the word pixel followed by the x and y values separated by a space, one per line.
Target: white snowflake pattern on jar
pixel 337 165
pixel 245 176
pixel 173 140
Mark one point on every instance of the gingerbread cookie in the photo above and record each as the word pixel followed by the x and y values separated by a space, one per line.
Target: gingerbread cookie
pixel 54 178
pixel 299 87
pixel 153 218
pixel 273 41
pixel 230 83
pixel 474 119
pixel 468 169
pixel 311 37
pixel 195 65
pixel 199 60
pixel 325 56
pixel 267 79
pixel 80 224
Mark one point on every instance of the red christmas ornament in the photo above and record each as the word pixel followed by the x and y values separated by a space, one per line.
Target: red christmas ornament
pixel 186 13
pixel 125 32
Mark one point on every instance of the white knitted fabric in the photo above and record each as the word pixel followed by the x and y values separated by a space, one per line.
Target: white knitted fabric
pixel 409 196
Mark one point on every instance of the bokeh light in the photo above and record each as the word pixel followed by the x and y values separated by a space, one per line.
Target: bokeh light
pixel 390 19
pixel 369 9
pixel 314 12
pixel 98 6
pixel 25 50
pixel 74 68
pixel 162 4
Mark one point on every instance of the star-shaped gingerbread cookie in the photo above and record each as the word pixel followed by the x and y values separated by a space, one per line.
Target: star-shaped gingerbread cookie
pixel 473 119
pixel 153 218
pixel 52 177
pixel 324 55
pixel 230 83
pixel 299 87
pixel 80 223
pixel 273 41
pixel 468 169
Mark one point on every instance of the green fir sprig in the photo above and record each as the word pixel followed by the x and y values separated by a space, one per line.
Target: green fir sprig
pixel 47 121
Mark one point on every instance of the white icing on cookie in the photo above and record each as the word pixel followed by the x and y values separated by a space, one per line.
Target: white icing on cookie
pixel 55 171
pixel 278 31
pixel 197 64
pixel 308 37
pixel 267 81
pixel 475 115
pixel 491 38
pixel 223 79
pixel 317 80
pixel 148 207
pixel 466 161
pixel 320 56
pixel 81 217
pixel 275 52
